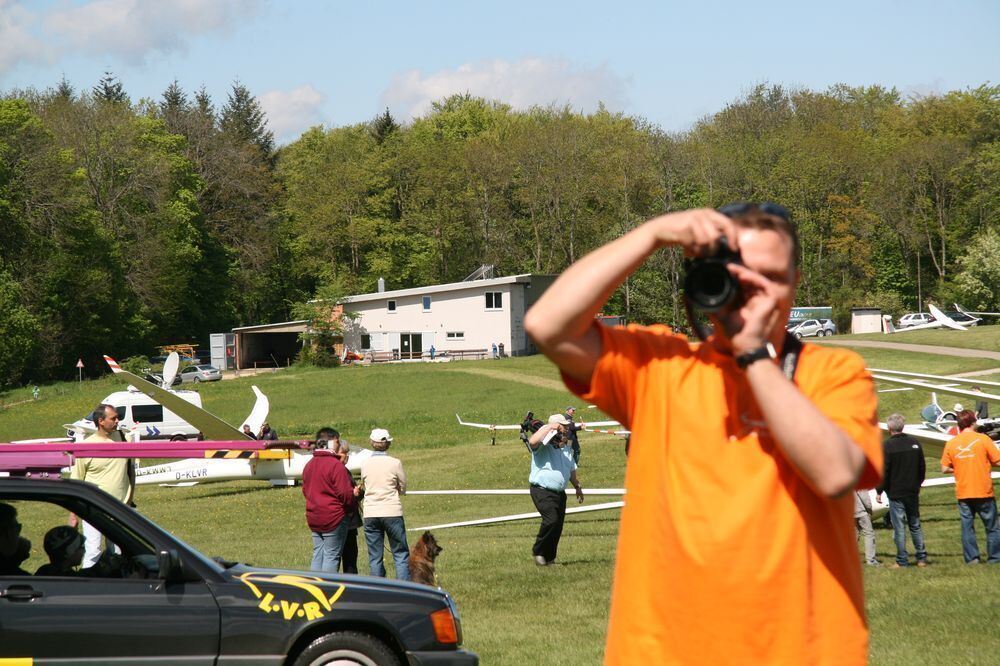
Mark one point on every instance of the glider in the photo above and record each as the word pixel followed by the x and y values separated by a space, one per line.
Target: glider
pixel 586 426
pixel 282 466
pixel 940 320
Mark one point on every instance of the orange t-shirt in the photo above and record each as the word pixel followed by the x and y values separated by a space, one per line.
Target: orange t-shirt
pixel 725 555
pixel 971 454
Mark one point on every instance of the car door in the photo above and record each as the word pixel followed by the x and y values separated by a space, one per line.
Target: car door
pixel 123 614
pixel 809 328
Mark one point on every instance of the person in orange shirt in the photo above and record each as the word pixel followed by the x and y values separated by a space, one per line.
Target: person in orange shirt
pixel 969 456
pixel 736 542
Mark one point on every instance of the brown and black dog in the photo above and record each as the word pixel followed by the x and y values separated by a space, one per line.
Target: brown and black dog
pixel 422 557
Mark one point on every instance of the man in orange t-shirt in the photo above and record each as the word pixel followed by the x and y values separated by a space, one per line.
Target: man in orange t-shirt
pixel 737 539
pixel 969 455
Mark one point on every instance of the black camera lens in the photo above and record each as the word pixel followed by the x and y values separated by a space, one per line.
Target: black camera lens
pixel 708 284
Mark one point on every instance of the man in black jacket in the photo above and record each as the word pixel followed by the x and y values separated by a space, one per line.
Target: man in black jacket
pixel 904 472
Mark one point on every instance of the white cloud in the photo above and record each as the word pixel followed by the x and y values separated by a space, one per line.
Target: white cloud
pixel 522 84
pixel 133 28
pixel 289 113
pixel 18 44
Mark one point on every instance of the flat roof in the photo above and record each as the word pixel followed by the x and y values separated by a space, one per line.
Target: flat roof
pixel 282 327
pixel 438 288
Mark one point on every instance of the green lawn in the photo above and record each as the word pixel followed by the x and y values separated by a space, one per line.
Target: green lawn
pixel 977 337
pixel 948 611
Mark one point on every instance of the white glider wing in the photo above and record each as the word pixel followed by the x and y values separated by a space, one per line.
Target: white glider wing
pixel 941 388
pixel 211 426
pixel 487 426
pixel 518 516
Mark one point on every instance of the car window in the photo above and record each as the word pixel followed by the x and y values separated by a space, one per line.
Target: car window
pixel 123 553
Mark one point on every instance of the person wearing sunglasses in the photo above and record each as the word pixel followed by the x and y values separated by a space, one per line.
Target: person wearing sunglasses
pixel 736 542
pixel 115 476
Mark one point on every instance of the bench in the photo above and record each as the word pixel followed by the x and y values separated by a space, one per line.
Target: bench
pixel 467 353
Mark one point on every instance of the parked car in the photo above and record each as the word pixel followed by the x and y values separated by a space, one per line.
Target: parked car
pixel 200 373
pixel 962 318
pixel 160 601
pixel 810 328
pixel 829 326
pixel 157 379
pixel 915 319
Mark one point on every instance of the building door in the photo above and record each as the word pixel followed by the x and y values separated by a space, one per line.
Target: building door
pixel 411 345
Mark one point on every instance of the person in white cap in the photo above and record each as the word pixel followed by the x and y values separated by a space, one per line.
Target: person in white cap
pixel 384 482
pixel 552 466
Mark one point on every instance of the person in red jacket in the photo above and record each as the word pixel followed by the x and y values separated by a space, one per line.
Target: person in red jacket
pixel 330 498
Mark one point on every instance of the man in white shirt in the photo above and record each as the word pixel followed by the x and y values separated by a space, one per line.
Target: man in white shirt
pixel 384 482
pixel 115 476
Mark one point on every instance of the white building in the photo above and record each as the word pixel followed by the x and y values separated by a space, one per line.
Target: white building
pixel 461 316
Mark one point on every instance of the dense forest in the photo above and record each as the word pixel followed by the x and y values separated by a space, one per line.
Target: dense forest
pixel 127 224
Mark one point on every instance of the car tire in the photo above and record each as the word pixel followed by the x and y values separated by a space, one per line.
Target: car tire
pixel 197 380
pixel 798 336
pixel 178 438
pixel 347 647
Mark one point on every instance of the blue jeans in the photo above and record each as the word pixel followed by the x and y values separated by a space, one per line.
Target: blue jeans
pixel 986 507
pixel 376 529
pixel 327 547
pixel 905 513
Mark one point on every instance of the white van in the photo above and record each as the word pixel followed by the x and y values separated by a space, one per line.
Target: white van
pixel 137 412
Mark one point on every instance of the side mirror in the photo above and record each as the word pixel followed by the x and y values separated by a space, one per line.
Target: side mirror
pixel 170 566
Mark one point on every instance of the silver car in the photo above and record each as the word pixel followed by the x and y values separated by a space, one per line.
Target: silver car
pixel 810 328
pixel 200 373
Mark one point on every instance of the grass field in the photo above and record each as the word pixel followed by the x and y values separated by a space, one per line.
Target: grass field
pixel 977 337
pixel 944 614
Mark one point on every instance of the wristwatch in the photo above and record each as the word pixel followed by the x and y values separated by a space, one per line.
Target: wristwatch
pixel 767 351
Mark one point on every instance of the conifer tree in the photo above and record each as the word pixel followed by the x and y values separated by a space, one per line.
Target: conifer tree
pixel 383 125
pixel 110 89
pixel 64 90
pixel 242 117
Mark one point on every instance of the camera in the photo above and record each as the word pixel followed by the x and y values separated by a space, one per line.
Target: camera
pixel 708 284
pixel 557 440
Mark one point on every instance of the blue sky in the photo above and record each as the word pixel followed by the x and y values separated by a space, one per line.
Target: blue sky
pixel 336 63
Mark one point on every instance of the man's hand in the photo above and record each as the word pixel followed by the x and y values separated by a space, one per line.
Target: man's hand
pixel 697 231
pixel 750 327
pixel 579 494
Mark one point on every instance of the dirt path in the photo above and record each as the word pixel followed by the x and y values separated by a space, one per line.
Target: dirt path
pixel 925 349
pixel 540 382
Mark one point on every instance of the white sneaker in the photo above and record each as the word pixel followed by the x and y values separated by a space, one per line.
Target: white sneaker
pixel 540 561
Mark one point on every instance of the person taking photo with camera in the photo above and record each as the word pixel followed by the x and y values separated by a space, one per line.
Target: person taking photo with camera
pixel 736 542
pixel 552 466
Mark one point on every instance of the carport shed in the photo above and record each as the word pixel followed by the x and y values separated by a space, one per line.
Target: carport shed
pixel 268 345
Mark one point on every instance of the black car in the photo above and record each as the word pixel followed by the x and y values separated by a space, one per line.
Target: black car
pixel 161 601
pixel 962 318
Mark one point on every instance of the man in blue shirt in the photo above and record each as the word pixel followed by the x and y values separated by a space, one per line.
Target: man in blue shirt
pixel 551 467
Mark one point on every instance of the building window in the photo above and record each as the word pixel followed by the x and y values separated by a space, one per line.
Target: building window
pixel 456 335
pixel 494 300
pixel 366 342
pixel 427 303
pixel 391 306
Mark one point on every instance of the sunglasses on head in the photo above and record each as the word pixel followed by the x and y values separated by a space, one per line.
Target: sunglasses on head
pixel 743 207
